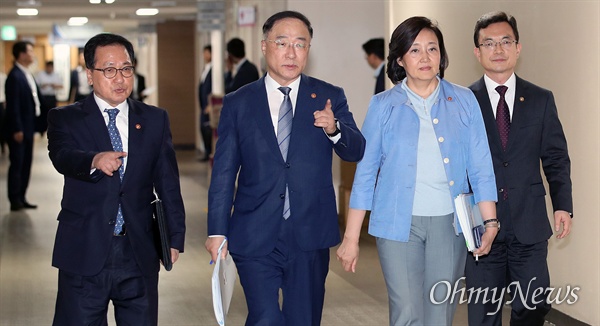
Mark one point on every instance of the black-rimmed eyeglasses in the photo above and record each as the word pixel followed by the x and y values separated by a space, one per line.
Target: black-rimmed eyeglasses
pixel 111 72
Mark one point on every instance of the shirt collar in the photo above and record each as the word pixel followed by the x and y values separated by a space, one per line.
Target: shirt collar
pixel 272 85
pixel 102 104
pixel 491 85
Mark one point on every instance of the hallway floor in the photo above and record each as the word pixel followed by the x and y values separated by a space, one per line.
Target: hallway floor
pixel 28 281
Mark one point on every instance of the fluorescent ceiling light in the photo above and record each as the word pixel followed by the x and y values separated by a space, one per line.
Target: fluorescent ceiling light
pixel 146 12
pixel 77 21
pixel 27 12
pixel 109 1
pixel 95 1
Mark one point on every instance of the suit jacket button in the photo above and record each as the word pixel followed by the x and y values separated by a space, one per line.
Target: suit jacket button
pixel 121 194
pixel 505 164
pixel 287 165
pixel 282 196
pixel 501 190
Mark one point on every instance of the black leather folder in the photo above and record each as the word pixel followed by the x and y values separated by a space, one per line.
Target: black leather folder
pixel 161 233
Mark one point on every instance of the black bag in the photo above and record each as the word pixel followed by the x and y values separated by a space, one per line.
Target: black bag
pixel 161 233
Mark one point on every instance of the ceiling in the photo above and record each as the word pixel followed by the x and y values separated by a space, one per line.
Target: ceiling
pixel 118 17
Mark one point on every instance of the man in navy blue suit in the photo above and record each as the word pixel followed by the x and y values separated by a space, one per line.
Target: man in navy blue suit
pixel 204 90
pixel 375 56
pixel 112 151
pixel 241 71
pixel 531 134
pixel 23 105
pixel 276 248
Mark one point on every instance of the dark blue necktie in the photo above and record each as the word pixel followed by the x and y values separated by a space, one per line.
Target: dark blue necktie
pixel 115 139
pixel 284 130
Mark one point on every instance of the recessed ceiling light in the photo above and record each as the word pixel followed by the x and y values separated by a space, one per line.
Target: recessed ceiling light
pixel 95 1
pixel 146 12
pixel 77 21
pixel 27 12
pixel 109 1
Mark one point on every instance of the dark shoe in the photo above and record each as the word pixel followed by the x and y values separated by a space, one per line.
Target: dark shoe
pixel 28 205
pixel 16 206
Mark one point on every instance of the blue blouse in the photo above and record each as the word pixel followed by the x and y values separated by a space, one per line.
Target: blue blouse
pixel 385 178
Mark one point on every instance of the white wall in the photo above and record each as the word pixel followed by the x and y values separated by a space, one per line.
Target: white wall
pixel 560 51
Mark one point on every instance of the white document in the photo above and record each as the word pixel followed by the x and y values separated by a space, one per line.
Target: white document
pixel 223 281
pixel 468 216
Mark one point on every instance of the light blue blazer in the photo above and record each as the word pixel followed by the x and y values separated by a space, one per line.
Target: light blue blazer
pixel 385 178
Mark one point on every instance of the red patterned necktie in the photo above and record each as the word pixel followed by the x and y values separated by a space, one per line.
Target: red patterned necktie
pixel 503 116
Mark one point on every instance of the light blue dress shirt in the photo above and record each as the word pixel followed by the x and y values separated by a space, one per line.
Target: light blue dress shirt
pixel 385 178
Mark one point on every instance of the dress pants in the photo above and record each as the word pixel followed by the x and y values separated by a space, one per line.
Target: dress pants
pixel 417 272
pixel 19 171
pixel 83 300
pixel 299 274
pixel 510 263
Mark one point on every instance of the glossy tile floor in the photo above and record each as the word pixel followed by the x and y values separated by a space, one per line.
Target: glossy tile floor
pixel 28 281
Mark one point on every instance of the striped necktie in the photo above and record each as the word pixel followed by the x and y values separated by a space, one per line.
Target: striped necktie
pixel 284 130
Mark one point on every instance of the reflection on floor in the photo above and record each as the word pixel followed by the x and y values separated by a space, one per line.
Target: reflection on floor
pixel 28 281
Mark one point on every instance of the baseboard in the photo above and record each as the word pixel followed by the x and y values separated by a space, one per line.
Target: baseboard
pixel 561 319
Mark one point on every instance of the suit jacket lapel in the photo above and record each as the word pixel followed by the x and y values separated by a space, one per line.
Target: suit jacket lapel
pixel 489 119
pixel 262 117
pixel 96 125
pixel 137 124
pixel 303 122
pixel 518 112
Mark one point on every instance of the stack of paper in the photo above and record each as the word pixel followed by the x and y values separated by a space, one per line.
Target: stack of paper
pixel 223 281
pixel 469 218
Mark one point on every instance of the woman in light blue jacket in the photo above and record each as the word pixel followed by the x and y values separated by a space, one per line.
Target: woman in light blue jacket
pixel 426 143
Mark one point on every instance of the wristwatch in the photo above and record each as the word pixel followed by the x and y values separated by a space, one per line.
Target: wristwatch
pixel 491 221
pixel 337 130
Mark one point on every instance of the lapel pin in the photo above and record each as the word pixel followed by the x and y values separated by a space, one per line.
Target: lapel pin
pixel 449 98
pixel 522 99
pixel 313 95
pixel 138 126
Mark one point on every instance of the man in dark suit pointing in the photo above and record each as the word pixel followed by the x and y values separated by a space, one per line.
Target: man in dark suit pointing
pixel 523 129
pixel 112 151
pixel 277 137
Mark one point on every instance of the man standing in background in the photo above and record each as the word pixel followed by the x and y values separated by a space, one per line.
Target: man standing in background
pixel 374 51
pixel 139 85
pixel 23 106
pixel 240 70
pixel 80 88
pixel 204 90
pixel 523 129
pixel 49 83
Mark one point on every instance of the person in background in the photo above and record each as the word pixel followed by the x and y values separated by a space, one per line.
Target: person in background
pixel 23 106
pixel 277 137
pixel 240 71
pixel 113 152
pixel 49 82
pixel 139 85
pixel 80 88
pixel 374 51
pixel 426 144
pixel 204 90
pixel 2 113
pixel 523 129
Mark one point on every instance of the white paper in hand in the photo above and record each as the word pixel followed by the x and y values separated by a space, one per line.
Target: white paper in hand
pixel 223 281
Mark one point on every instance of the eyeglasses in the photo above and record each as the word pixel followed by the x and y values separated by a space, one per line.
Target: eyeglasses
pixel 282 44
pixel 111 72
pixel 490 45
